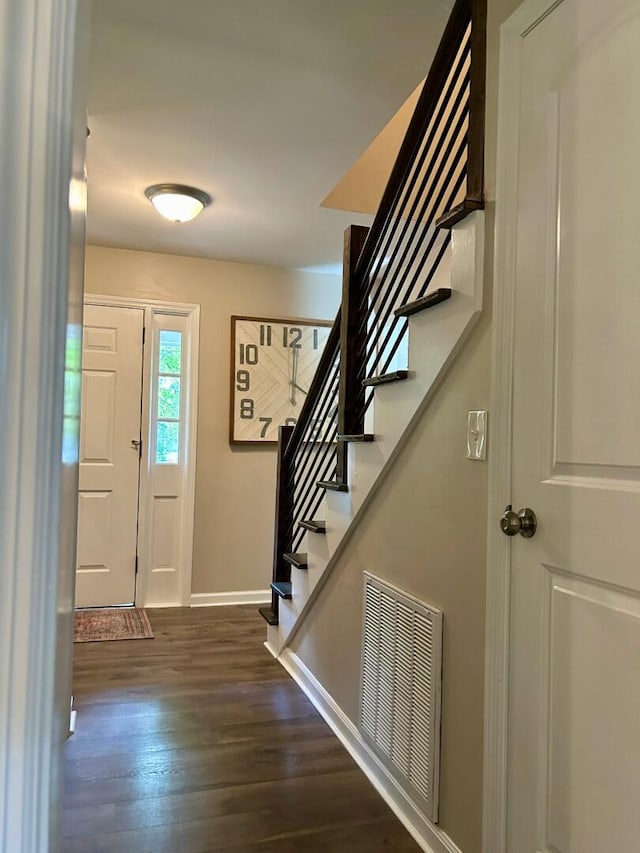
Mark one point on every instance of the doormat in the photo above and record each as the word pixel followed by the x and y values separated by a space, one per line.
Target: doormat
pixel 111 623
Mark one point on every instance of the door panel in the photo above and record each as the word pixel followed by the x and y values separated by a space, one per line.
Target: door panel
pixel 109 463
pixel 574 746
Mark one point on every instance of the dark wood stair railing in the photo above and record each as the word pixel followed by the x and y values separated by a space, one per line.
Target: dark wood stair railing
pixel 436 181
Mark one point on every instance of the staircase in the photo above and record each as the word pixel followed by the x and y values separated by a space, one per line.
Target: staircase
pixel 412 291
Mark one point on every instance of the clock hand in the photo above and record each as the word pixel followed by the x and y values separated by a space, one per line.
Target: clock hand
pixel 294 374
pixel 300 388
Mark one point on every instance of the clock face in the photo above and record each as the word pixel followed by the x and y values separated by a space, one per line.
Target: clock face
pixel 273 363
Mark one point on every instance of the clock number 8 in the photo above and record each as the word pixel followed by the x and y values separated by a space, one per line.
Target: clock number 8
pixel 246 408
pixel 242 380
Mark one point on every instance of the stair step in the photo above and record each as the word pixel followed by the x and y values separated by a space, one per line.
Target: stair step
pixel 332 486
pixel 365 436
pixel 314 525
pixel 458 213
pixel 386 378
pixel 428 301
pixel 268 615
pixel 298 561
pixel 282 588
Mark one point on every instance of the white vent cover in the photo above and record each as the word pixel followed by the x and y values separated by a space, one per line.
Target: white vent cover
pixel 401 688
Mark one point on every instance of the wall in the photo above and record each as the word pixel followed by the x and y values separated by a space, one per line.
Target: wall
pixel 425 531
pixel 235 486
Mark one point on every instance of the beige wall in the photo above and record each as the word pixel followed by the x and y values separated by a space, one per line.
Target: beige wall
pixel 425 531
pixel 235 486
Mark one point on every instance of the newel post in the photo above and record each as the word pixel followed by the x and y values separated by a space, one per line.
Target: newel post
pixel 353 344
pixel 284 512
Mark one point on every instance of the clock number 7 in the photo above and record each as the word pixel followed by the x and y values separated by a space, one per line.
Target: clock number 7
pixel 267 424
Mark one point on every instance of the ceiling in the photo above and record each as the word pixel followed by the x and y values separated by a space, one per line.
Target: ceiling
pixel 264 104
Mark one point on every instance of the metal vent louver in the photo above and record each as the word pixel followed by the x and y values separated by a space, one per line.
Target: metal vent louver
pixel 401 688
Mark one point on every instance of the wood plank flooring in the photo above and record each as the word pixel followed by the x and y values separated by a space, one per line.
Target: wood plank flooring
pixel 199 741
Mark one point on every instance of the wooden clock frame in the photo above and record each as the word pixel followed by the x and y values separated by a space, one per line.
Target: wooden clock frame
pixel 285 340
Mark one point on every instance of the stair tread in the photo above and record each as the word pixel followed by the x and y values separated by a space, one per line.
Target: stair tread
pixel 428 301
pixel 314 525
pixel 282 588
pixel 333 486
pixel 268 615
pixel 458 213
pixel 364 436
pixel 386 378
pixel 297 559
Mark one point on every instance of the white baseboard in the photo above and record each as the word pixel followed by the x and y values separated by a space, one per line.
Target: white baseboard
pixel 430 838
pixel 216 599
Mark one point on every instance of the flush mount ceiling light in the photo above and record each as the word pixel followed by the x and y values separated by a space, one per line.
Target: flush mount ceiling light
pixel 177 202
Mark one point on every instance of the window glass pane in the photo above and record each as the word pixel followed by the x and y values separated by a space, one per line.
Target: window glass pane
pixel 169 397
pixel 170 360
pixel 167 442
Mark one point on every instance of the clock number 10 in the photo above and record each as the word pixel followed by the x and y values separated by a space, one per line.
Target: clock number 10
pixel 248 354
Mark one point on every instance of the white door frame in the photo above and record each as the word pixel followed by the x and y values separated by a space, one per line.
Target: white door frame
pixel 42 78
pixel 191 312
pixel 497 646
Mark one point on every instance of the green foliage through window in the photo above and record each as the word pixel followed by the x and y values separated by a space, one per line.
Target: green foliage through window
pixel 170 358
pixel 169 388
pixel 169 397
pixel 167 442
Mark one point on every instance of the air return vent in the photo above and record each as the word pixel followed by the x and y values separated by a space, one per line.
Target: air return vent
pixel 401 688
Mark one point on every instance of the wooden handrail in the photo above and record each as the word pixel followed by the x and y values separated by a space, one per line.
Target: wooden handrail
pixel 475 157
pixel 425 108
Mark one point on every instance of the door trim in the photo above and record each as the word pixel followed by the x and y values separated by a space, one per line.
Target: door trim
pixel 497 648
pixel 192 313
pixel 41 272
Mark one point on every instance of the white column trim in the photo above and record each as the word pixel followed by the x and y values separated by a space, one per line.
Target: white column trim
pixel 192 313
pixel 496 732
pixel 37 45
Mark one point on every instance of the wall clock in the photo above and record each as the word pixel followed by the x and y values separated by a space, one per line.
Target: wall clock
pixel 272 365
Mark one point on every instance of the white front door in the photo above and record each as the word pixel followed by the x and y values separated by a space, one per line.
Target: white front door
pixel 574 710
pixel 109 455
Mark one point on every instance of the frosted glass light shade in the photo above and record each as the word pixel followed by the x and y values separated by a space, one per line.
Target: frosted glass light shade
pixel 176 202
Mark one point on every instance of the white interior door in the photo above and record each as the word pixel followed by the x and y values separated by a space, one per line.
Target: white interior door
pixel 574 713
pixel 109 455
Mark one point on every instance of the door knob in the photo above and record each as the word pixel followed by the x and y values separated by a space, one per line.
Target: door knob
pixel 523 522
pixel 135 442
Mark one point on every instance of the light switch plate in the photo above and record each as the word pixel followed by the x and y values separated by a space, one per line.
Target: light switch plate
pixel 477 435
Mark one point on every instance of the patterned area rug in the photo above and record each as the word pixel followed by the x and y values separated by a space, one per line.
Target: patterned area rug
pixel 111 623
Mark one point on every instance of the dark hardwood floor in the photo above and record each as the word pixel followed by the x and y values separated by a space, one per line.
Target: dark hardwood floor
pixel 199 741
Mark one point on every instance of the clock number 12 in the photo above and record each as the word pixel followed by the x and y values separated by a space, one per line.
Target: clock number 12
pixel 296 336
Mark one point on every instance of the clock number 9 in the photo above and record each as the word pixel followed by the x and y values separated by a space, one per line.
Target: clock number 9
pixel 242 380
pixel 246 408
